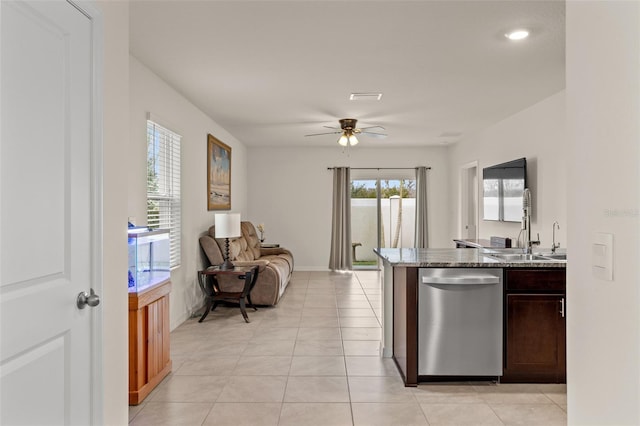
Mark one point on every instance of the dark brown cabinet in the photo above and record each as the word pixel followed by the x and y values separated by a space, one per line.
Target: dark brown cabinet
pixel 405 323
pixel 534 326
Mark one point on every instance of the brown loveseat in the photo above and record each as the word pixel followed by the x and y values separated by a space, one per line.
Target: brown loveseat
pixel 275 265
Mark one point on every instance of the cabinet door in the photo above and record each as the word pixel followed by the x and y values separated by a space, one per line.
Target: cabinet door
pixel 149 333
pixel 158 336
pixel 535 334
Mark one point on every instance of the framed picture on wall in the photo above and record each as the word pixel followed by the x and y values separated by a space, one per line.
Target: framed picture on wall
pixel 218 174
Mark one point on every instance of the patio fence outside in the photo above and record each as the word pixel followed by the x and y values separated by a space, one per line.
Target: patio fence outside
pixel 364 219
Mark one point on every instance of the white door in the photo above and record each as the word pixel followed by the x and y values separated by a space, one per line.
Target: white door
pixel 469 201
pixel 47 231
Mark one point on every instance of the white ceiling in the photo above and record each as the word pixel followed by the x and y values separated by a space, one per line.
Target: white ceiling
pixel 270 72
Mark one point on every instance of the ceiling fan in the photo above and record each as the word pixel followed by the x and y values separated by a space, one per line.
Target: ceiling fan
pixel 348 132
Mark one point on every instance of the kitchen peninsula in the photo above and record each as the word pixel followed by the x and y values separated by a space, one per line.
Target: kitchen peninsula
pixel 523 294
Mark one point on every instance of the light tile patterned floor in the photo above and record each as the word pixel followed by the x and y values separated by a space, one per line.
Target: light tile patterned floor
pixel 313 360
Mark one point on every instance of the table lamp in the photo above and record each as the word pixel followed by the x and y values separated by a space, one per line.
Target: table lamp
pixel 227 226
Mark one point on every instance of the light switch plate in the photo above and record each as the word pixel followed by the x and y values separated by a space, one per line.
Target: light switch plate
pixel 602 256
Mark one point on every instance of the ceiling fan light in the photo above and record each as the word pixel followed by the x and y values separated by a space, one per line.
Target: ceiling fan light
pixel 344 140
pixel 353 140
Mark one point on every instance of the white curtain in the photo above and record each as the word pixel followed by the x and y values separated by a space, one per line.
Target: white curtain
pixel 422 234
pixel 340 257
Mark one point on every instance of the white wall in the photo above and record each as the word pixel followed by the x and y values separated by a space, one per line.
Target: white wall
pixel 290 192
pixel 537 133
pixel 115 138
pixel 149 93
pixel 603 122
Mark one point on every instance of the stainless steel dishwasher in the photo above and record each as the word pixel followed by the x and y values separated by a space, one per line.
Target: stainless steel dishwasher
pixel 460 322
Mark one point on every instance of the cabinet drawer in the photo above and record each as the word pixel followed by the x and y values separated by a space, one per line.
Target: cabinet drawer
pixel 536 280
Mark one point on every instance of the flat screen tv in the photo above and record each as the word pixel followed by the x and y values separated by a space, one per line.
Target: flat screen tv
pixel 503 187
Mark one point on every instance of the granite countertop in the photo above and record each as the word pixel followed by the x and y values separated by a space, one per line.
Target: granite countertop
pixel 462 258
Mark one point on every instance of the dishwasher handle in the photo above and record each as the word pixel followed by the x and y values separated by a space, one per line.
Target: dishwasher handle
pixel 462 280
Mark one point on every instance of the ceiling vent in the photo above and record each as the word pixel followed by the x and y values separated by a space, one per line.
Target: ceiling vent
pixel 365 96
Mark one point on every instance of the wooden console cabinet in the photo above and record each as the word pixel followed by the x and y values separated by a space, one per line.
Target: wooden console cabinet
pixel 149 357
pixel 535 326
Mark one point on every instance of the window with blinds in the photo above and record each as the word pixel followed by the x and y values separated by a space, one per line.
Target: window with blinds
pixel 163 184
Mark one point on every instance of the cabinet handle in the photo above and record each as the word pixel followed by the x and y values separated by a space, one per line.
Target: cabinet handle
pixel 562 307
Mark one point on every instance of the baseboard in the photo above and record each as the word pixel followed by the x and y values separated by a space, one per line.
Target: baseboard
pixel 185 316
pixel 324 269
pixel 310 269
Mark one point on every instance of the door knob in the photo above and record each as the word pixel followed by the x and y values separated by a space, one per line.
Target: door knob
pixel 85 299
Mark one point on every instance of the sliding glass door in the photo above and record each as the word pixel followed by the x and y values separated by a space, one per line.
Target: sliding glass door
pixel 382 215
pixel 364 223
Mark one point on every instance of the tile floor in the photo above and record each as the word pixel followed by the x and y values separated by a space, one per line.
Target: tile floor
pixel 313 360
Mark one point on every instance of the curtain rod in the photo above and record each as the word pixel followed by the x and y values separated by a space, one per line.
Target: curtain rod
pixel 380 168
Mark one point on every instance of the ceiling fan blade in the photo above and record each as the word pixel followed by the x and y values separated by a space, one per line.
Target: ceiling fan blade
pixel 372 127
pixel 328 133
pixel 349 125
pixel 374 135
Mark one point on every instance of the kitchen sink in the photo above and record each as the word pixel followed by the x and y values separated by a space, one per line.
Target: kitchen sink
pixel 555 256
pixel 518 257
pixel 522 257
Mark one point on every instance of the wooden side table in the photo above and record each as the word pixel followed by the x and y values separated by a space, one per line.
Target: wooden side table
pixel 214 295
pixel 269 245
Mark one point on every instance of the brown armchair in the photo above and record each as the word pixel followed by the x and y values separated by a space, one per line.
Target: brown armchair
pixel 275 265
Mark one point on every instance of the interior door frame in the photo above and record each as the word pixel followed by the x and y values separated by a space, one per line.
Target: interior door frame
pixel 465 190
pixel 97 263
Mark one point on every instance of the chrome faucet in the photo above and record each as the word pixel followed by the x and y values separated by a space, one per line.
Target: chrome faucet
pixel 531 243
pixel 526 222
pixel 554 246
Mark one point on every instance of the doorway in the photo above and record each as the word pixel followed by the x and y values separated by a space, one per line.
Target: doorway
pixel 469 201
pixel 382 215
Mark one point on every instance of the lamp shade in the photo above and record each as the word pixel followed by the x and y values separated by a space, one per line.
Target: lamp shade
pixel 227 225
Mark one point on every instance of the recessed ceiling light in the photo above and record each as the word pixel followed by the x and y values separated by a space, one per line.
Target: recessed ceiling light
pixel 365 96
pixel 517 35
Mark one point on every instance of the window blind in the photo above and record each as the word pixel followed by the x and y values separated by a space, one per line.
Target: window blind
pixel 163 185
